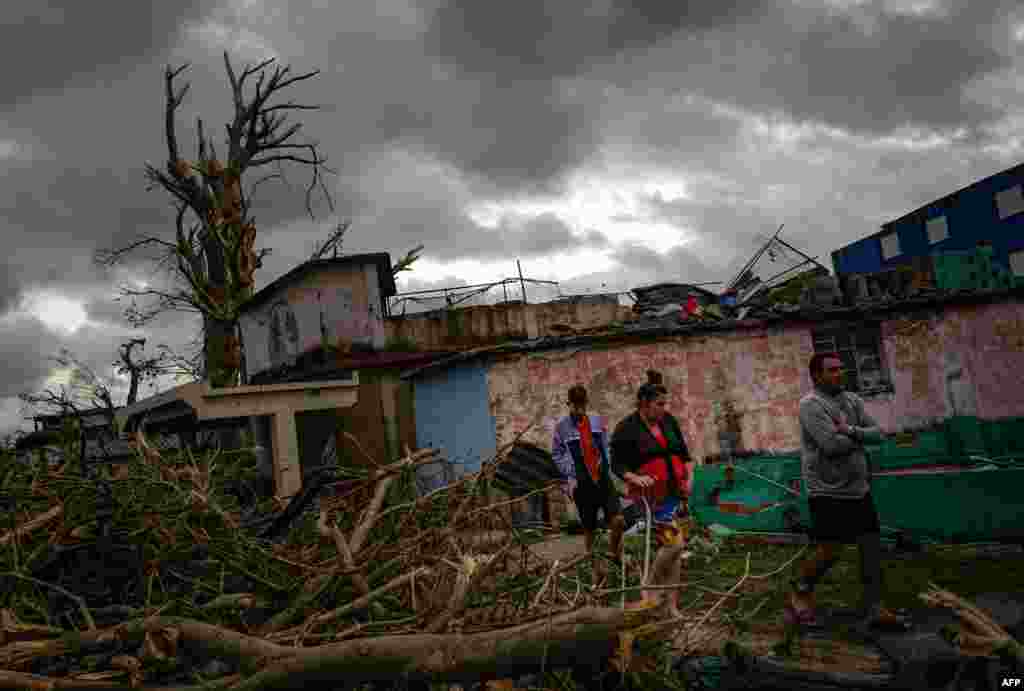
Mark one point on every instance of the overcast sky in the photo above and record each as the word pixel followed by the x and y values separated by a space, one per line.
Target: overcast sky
pixel 604 143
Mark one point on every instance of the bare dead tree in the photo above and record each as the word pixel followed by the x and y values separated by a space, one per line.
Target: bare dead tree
pixel 212 255
pixel 137 370
pixel 84 392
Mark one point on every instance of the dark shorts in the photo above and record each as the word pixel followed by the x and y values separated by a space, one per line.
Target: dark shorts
pixel 842 520
pixel 591 498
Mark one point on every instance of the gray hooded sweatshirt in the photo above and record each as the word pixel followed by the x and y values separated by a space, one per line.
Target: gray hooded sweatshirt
pixel 834 464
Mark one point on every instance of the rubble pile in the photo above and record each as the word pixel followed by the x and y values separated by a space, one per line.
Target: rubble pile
pixel 150 574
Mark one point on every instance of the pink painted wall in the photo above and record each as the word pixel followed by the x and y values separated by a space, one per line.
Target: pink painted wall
pixel 758 371
pixel 966 360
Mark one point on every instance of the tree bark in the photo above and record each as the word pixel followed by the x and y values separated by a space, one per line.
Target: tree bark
pixel 561 641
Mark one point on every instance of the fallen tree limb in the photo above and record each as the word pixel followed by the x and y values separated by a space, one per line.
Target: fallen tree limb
pixel 333 532
pixel 33 524
pixel 365 600
pixel 979 635
pixel 587 633
pixel 556 569
pixel 513 651
pixel 82 607
pixel 475 572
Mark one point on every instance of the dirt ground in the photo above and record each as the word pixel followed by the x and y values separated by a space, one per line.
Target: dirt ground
pixel 561 547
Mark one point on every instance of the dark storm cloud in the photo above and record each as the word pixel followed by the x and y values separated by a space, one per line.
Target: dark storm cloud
pixel 862 69
pixel 679 264
pixel 24 346
pixel 910 71
pixel 49 44
pixel 525 130
pixel 547 234
pixel 519 136
pixel 542 40
pixel 10 288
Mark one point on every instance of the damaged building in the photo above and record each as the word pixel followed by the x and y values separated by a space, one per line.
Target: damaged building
pixel 735 384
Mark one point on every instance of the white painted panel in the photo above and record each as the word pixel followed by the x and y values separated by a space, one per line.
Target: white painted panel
pixel 890 245
pixel 1017 263
pixel 1010 201
pixel 938 230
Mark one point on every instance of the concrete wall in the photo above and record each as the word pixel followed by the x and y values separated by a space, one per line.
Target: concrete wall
pixel 964 360
pixel 491 324
pixel 342 303
pixel 382 421
pixel 757 374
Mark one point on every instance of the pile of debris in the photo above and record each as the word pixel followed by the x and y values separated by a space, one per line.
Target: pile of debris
pixel 676 302
pixel 151 573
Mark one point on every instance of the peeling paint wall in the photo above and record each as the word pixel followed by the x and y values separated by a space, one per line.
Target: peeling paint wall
pixel 745 386
pixel 964 360
pixel 755 374
pixel 339 305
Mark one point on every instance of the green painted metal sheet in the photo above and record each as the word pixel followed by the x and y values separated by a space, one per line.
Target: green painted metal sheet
pixel 1004 437
pixel 957 503
pixel 965 436
pixel 959 506
pixel 911 445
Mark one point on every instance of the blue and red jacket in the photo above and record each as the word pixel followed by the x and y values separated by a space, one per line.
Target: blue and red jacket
pixel 567 448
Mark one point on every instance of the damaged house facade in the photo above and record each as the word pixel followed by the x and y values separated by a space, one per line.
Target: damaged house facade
pixel 314 368
pixel 735 385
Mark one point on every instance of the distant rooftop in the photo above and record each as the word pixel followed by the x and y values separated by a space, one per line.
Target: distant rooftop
pixel 382 260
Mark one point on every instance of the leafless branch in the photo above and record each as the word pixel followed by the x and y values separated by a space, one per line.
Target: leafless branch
pixel 174 100
pixel 112 257
pixel 286 158
pixel 291 105
pixel 333 241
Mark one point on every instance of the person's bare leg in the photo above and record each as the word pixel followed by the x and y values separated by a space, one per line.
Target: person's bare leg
pixel 588 541
pixel 666 570
pixel 676 576
pixel 618 527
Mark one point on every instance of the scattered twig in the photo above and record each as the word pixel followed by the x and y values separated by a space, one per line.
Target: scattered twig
pixel 82 607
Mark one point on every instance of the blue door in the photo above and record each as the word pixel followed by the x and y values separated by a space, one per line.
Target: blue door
pixel 453 415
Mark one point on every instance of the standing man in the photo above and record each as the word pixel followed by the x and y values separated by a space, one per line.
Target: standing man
pixel 580 450
pixel 649 453
pixel 833 429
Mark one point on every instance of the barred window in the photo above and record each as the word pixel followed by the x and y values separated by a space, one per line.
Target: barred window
pixel 860 348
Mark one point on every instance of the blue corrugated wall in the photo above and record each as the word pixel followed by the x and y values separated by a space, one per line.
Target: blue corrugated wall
pixel 452 414
pixel 971 216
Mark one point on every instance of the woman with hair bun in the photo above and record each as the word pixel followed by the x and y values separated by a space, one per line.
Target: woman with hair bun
pixel 649 453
